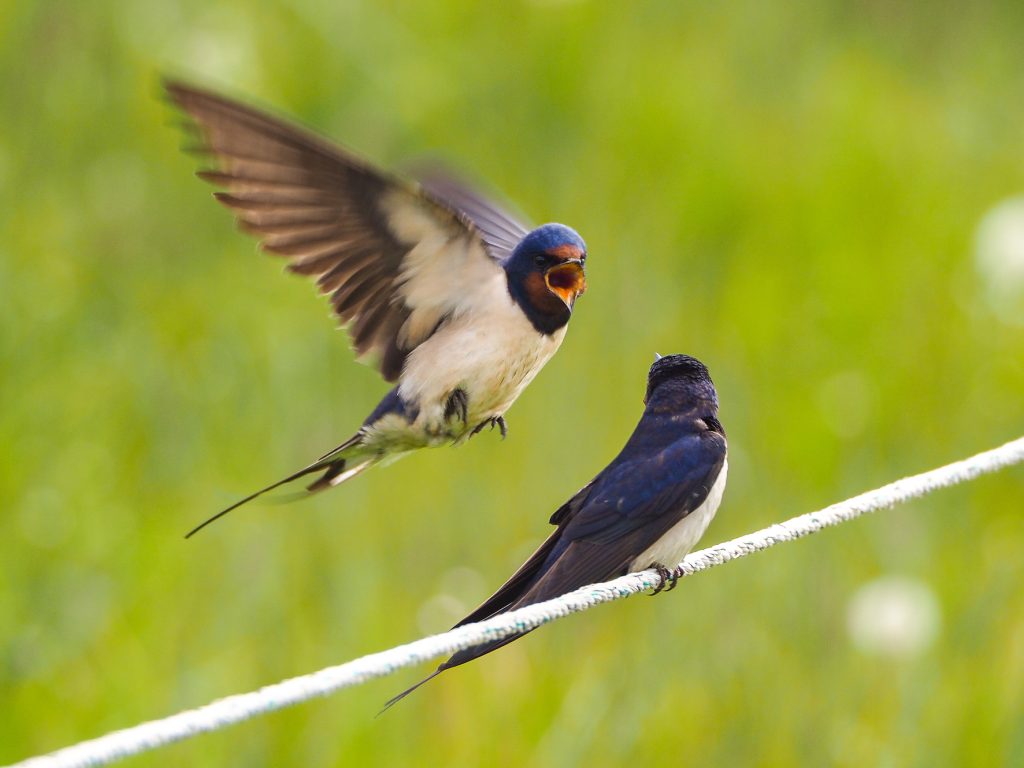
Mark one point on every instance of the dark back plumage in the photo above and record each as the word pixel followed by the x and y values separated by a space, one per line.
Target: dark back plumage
pixel 665 471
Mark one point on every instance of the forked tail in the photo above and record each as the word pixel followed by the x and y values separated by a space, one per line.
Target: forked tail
pixel 336 468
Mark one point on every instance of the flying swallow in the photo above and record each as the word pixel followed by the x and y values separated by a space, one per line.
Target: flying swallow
pixel 451 298
pixel 646 509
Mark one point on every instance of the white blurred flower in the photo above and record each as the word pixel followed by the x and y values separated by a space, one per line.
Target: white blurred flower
pixel 223 41
pixel 893 616
pixel 466 583
pixel 999 258
pixel 439 613
pixel 459 590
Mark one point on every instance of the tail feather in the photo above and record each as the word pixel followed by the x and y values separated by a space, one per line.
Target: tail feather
pixel 517 592
pixel 395 699
pixel 354 440
pixel 457 659
pixel 335 474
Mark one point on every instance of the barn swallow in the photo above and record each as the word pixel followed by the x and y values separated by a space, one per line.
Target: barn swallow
pixel 646 509
pixel 452 299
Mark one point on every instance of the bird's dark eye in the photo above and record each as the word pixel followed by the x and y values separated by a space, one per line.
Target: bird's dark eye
pixel 540 259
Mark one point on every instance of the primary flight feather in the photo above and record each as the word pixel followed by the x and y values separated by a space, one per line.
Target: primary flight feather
pixel 453 300
pixel 646 509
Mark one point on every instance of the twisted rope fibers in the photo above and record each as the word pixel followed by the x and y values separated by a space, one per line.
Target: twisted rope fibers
pixel 235 709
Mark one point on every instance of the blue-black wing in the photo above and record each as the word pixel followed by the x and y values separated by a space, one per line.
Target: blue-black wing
pixel 631 504
pixel 501 231
pixel 395 260
pixel 624 510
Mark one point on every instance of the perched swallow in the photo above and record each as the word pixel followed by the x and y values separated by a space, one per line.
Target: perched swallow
pixel 450 297
pixel 644 510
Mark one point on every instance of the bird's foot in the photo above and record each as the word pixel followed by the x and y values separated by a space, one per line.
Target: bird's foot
pixel 668 576
pixel 458 404
pixel 494 421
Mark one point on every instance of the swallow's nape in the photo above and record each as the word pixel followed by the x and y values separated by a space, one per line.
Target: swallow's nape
pixel 684 374
pixel 646 509
pixel 432 268
pixel 677 367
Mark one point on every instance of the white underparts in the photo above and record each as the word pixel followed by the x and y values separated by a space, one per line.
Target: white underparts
pixel 671 548
pixel 491 352
pixel 485 345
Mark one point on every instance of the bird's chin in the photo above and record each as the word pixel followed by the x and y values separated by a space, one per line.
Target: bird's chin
pixel 568 297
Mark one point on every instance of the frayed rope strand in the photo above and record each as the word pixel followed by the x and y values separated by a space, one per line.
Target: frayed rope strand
pixel 235 709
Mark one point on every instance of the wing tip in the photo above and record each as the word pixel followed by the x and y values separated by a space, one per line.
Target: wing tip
pixel 182 91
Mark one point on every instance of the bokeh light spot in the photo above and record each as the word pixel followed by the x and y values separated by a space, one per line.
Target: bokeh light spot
pixel 893 616
pixel 999 258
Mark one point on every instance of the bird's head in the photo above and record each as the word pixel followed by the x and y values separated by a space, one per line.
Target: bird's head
pixel 546 274
pixel 681 381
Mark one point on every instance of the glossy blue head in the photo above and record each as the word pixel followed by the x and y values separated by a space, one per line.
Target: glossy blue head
pixel 546 275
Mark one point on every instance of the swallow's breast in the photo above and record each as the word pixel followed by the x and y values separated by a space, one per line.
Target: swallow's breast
pixel 490 351
pixel 671 548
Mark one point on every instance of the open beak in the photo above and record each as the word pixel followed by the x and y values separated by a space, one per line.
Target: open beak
pixel 567 280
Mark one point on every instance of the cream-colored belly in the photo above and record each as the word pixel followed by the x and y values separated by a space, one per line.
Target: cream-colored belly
pixel 671 548
pixel 491 356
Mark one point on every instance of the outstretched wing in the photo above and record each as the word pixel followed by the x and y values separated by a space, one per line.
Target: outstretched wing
pixel 501 230
pixel 395 260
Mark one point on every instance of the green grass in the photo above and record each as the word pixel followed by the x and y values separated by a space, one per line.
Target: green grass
pixel 789 193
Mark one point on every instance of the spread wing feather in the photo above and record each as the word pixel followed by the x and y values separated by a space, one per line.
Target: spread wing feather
pixel 395 260
pixel 501 230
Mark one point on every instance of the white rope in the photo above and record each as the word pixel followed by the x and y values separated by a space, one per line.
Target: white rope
pixel 234 709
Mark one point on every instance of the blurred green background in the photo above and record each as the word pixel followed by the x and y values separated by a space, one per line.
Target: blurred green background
pixel 794 193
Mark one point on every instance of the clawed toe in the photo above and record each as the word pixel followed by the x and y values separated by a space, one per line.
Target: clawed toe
pixel 669 578
pixel 675 580
pixel 494 421
pixel 458 403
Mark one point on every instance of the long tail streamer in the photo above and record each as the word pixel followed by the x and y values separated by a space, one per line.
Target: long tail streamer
pixel 235 709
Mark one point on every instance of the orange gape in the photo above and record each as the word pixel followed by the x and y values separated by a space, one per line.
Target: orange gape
pixel 567 280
